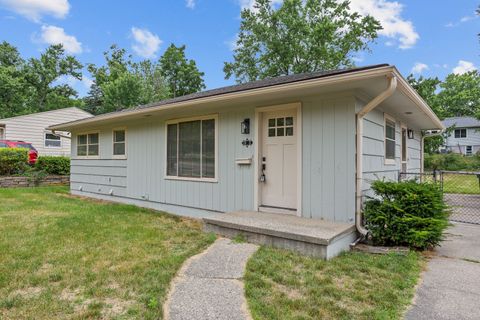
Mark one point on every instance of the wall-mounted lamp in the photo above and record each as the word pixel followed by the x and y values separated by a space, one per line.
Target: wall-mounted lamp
pixel 245 126
pixel 410 134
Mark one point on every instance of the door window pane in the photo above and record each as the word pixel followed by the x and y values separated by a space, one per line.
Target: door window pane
pixel 280 122
pixel 289 131
pixel 271 123
pixel 280 132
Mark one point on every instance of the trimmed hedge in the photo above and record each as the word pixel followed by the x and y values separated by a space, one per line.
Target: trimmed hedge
pixel 53 165
pixel 406 214
pixel 13 160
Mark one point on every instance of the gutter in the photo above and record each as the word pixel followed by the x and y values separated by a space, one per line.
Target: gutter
pixel 61 135
pixel 392 86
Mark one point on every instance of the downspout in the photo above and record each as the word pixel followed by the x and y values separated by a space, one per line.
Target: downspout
pixel 392 86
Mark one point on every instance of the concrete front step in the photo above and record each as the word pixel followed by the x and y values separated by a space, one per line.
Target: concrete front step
pixel 312 237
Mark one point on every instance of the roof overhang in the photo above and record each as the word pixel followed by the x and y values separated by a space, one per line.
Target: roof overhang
pixel 371 81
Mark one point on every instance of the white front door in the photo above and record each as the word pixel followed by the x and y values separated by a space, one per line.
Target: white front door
pixel 278 160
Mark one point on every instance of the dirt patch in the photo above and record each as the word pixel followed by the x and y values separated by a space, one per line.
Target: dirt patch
pixel 291 293
pixel 45 268
pixel 115 307
pixel 28 293
pixel 70 295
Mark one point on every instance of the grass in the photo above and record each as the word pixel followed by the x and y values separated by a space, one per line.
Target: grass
pixel 460 183
pixel 71 258
pixel 284 285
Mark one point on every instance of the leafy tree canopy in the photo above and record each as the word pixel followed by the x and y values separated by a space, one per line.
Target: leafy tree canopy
pixel 31 86
pixel 299 36
pixel 181 74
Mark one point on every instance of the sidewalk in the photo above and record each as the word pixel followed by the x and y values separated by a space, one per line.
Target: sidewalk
pixel 209 285
pixel 450 286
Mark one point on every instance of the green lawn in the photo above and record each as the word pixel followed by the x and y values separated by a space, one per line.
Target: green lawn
pixel 460 183
pixel 63 257
pixel 284 285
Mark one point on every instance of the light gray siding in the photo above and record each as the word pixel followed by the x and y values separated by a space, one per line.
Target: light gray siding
pixel 31 128
pixel 458 145
pixel 328 161
pixel 374 166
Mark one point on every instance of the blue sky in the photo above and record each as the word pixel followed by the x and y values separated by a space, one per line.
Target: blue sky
pixel 432 38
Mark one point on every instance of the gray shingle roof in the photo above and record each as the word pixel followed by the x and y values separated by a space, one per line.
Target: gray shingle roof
pixel 256 85
pixel 461 122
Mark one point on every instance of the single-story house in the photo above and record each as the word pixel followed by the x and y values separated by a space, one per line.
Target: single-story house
pixel 305 146
pixel 31 128
pixel 465 136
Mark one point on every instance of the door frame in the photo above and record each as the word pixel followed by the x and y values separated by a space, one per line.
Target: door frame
pixel 258 150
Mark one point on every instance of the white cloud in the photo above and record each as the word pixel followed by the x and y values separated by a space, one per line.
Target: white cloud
pixel 56 35
pixel 249 4
pixel 146 43
pixel 419 67
pixel 464 67
pixel 462 20
pixel 35 9
pixel 389 15
pixel 190 4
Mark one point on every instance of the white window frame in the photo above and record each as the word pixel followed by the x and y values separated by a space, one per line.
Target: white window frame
pixel 471 151
pixel 45 141
pixel 119 156
pixel 460 129
pixel 76 145
pixel 393 161
pixel 180 120
pixel 2 133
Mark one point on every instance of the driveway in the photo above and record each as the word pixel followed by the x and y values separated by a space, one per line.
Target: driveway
pixel 450 288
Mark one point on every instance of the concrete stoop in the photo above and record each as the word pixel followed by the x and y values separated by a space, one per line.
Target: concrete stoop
pixel 313 237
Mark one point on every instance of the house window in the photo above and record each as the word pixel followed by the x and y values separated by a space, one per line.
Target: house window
pixel 460 133
pixel 2 133
pixel 52 141
pixel 468 150
pixel 119 141
pixel 191 149
pixel 389 140
pixel 87 144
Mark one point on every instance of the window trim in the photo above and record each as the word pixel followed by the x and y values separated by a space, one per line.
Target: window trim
pixel 76 145
pixel 471 151
pixel 460 136
pixel 45 140
pixel 196 118
pixel 119 156
pixel 386 160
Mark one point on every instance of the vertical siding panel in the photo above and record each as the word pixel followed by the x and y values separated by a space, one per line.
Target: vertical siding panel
pixel 306 158
pixel 340 158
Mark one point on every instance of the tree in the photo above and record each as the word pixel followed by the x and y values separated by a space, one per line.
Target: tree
pixel 300 36
pixel 181 74
pixel 42 73
pixel 427 88
pixel 14 92
pixel 460 95
pixel 122 83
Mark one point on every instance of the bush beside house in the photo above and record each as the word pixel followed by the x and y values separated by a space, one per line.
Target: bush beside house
pixel 406 214
pixel 15 171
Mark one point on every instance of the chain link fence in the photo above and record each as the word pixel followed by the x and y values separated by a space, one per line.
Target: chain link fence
pixel 461 191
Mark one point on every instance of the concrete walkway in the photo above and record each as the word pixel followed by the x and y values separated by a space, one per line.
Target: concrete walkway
pixel 209 285
pixel 450 288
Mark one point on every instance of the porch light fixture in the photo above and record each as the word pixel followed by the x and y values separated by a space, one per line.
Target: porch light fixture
pixel 410 134
pixel 245 126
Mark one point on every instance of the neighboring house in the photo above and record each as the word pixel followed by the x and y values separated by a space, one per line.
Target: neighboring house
pixel 286 144
pixel 32 128
pixel 465 137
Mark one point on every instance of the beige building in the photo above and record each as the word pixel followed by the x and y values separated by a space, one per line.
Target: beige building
pixel 32 128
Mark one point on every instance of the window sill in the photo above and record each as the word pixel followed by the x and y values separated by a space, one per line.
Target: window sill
pixel 85 157
pixel 210 180
pixel 119 157
pixel 390 162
